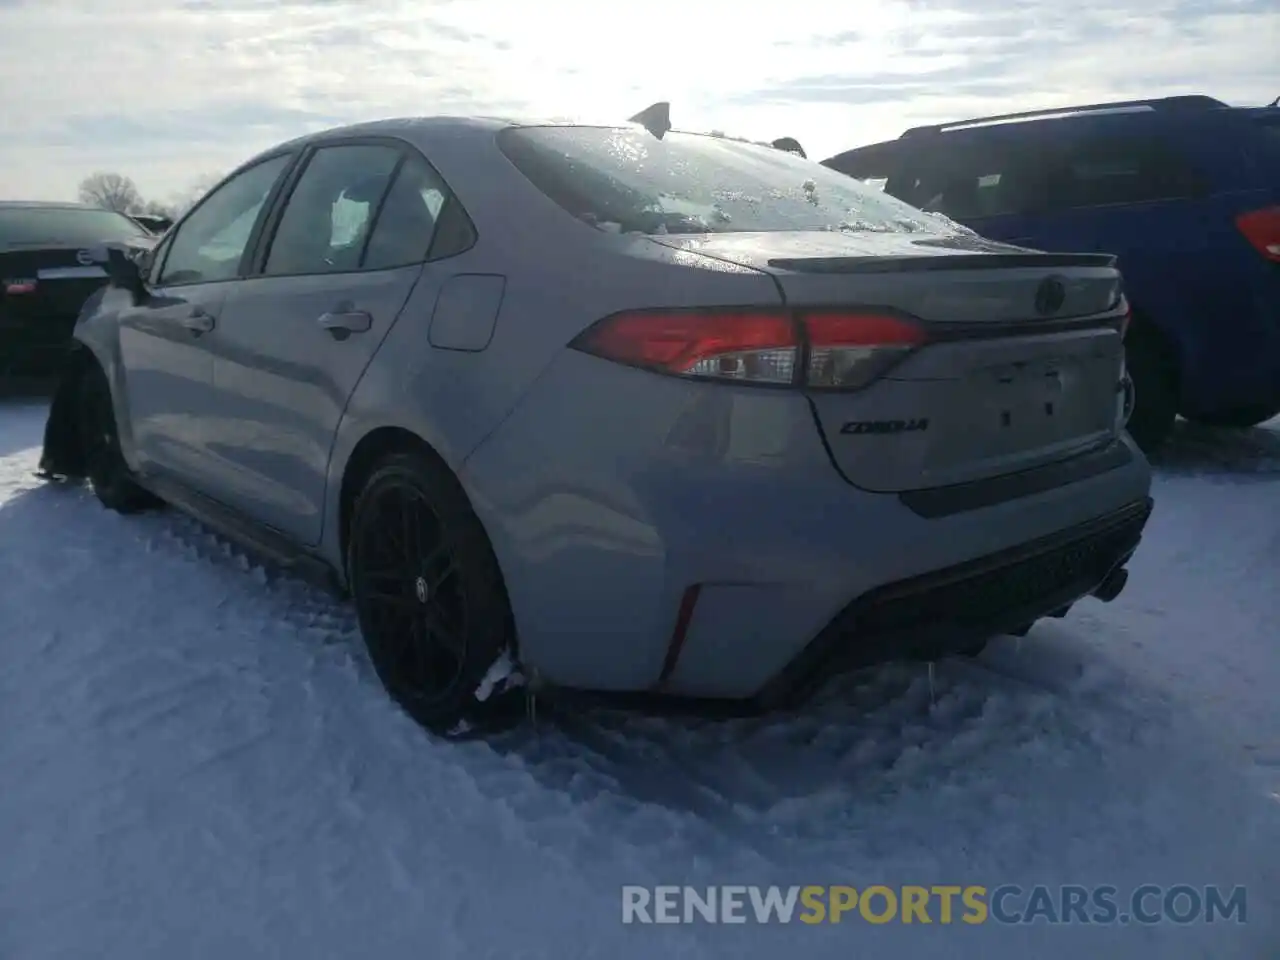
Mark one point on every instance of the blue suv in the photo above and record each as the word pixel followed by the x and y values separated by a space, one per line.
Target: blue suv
pixel 1184 190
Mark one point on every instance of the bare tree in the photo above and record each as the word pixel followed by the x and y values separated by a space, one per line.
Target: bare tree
pixel 112 191
pixel 198 188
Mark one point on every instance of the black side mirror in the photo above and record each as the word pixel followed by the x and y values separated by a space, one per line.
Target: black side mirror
pixel 122 270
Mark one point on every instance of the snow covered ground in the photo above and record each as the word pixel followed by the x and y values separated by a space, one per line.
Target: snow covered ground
pixel 196 761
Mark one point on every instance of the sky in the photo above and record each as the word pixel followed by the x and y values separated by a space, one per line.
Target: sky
pixel 172 92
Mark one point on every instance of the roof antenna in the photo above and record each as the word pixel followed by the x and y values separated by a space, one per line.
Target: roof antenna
pixel 656 118
pixel 1274 103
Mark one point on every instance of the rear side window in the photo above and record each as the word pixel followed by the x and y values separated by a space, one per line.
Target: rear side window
pixel 978 179
pixel 625 180
pixel 407 222
pixel 1123 170
pixel 26 226
pixel 972 180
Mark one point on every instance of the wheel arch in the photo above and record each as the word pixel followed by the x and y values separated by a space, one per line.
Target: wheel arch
pixel 370 450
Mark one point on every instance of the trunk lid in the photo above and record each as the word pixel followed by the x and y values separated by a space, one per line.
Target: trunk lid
pixel 41 292
pixel 1022 367
pixel 53 281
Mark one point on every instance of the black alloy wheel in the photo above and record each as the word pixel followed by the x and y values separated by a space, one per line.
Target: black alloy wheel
pixel 428 592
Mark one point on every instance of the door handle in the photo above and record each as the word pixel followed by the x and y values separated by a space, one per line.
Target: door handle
pixel 198 322
pixel 342 323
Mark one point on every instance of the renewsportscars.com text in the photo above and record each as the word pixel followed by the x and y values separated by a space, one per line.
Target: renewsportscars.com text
pixel 908 904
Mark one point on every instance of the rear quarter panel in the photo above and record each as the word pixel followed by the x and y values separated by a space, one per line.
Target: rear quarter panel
pixel 561 276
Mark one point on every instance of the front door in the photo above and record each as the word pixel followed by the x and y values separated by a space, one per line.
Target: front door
pixel 164 341
pixel 295 338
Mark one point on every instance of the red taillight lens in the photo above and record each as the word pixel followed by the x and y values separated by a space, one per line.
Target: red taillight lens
pixel 851 350
pixel 747 345
pixel 19 287
pixel 844 349
pixel 1262 229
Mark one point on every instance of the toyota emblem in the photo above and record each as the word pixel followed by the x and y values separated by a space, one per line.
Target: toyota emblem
pixel 1050 296
pixel 84 258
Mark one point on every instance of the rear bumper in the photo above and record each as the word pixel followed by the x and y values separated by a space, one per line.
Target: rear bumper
pixel 950 609
pixel 694 542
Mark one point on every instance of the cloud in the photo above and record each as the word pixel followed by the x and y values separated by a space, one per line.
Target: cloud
pixel 168 91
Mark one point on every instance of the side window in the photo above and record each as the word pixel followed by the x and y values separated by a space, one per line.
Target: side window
pixel 208 245
pixel 982 180
pixel 326 222
pixel 407 224
pixel 1123 170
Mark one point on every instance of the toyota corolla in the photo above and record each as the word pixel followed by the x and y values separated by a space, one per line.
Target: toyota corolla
pixel 588 407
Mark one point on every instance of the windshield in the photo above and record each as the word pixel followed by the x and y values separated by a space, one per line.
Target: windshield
pixel 625 180
pixel 23 226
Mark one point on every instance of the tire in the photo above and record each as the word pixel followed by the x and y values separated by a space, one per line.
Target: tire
pixel 1240 418
pixel 1155 389
pixel 429 595
pixel 104 464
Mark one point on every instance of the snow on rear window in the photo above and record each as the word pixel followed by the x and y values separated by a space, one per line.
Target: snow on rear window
pixel 625 180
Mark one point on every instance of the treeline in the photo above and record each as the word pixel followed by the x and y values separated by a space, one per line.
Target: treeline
pixel 115 191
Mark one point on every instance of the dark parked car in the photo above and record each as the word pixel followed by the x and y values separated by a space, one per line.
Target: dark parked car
pixel 1184 190
pixel 47 272
pixel 153 223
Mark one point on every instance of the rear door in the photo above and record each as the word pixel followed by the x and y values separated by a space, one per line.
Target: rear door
pixel 345 251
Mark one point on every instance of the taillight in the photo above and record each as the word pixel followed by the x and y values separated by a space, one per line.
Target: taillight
pixel 851 350
pixel 19 287
pixel 820 348
pixel 1262 229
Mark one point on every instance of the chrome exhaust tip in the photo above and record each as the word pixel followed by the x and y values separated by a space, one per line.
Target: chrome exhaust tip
pixel 1113 586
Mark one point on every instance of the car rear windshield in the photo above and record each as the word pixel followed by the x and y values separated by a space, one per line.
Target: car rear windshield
pixel 625 180
pixel 28 226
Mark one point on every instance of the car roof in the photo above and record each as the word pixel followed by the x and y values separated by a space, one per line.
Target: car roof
pixel 48 205
pixel 426 129
pixel 419 129
pixel 411 127
pixel 1182 106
